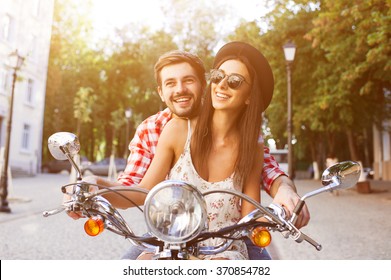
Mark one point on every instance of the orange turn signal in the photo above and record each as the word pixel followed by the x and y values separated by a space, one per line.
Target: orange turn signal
pixel 94 226
pixel 261 237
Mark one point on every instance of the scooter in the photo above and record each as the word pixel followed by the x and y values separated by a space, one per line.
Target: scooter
pixel 175 211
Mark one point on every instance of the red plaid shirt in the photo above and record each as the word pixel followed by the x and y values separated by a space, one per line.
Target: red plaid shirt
pixel 143 147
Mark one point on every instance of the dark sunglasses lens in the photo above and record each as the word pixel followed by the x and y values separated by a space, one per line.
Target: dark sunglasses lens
pixel 217 76
pixel 234 81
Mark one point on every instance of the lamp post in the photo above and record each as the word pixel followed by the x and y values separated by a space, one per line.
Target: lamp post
pixel 128 115
pixel 15 62
pixel 289 52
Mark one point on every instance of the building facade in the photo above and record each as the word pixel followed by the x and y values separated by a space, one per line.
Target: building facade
pixel 382 151
pixel 25 26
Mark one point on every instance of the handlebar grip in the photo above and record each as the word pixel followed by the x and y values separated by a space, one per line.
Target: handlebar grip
pixel 53 212
pixel 297 211
pixel 311 241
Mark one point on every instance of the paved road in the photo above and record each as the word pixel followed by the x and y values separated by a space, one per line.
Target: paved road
pixel 349 226
pixel 26 234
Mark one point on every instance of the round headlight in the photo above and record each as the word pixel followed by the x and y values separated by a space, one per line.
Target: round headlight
pixel 174 211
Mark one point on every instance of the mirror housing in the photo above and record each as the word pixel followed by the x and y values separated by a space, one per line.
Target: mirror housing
pixel 341 175
pixel 62 144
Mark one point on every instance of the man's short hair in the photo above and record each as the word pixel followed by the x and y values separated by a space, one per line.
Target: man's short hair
pixel 176 57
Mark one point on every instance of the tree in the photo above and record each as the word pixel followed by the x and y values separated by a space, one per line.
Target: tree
pixel 355 37
pixel 341 70
pixel 198 26
pixel 82 105
pixel 285 25
pixel 70 66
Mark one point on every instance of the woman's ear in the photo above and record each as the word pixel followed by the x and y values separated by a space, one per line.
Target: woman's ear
pixel 247 102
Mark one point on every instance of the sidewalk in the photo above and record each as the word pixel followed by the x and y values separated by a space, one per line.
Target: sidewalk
pixel 26 234
pixel 349 226
pixel 30 195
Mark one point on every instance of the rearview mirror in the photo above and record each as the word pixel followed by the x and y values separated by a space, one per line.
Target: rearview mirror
pixel 62 143
pixel 341 175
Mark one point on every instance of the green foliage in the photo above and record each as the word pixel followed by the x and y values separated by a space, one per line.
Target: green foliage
pixel 83 104
pixel 340 75
pixel 119 72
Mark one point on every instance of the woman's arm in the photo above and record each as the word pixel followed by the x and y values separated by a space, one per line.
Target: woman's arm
pixel 166 154
pixel 253 182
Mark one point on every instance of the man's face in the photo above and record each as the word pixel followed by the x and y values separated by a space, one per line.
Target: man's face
pixel 181 89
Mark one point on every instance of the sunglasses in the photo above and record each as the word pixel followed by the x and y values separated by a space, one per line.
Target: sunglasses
pixel 234 80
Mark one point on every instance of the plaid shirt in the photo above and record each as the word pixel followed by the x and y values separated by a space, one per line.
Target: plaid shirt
pixel 143 147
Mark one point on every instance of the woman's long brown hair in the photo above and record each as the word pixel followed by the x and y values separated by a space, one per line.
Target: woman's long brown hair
pixel 249 125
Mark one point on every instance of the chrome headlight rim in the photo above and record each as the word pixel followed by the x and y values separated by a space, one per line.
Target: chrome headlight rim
pixel 197 195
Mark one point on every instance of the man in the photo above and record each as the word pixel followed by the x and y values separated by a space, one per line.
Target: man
pixel 181 84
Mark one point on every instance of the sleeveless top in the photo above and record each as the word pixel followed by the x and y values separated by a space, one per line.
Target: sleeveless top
pixel 222 209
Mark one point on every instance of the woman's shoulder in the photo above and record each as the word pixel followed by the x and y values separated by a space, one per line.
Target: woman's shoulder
pixel 174 134
pixel 177 124
pixel 175 128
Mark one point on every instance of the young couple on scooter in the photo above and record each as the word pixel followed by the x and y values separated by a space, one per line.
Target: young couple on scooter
pixel 217 137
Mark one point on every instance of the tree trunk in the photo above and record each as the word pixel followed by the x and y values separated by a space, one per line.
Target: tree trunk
pixel 352 146
pixel 331 144
pixel 109 140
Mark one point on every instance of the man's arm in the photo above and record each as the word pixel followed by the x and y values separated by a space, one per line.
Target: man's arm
pixel 139 159
pixel 284 193
pixel 279 186
pixel 271 171
pixel 281 181
pixel 143 148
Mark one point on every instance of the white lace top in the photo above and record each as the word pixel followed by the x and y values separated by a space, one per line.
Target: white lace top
pixel 223 209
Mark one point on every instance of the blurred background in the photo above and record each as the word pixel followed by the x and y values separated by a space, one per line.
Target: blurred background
pixel 88 69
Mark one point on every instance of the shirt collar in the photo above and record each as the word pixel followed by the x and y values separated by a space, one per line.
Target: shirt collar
pixel 164 116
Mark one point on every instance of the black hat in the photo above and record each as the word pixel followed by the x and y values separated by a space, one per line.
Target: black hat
pixel 257 61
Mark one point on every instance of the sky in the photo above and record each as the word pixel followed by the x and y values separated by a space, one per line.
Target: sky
pixel 109 14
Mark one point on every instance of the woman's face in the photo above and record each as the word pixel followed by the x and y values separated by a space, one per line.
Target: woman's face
pixel 226 94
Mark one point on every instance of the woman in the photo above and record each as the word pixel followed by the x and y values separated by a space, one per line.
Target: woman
pixel 221 149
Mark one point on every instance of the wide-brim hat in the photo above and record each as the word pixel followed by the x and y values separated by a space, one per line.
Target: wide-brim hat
pixel 257 61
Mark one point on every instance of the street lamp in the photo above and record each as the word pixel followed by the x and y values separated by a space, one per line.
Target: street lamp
pixel 289 52
pixel 128 115
pixel 15 62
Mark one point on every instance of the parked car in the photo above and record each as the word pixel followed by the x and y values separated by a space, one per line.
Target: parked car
pixel 56 166
pixel 368 173
pixel 101 167
pixel 281 156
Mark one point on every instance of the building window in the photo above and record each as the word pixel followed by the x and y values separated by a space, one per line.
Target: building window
pixel 3 81
pixel 36 7
pixel 7 28
pixel 1 131
pixel 30 92
pixel 32 52
pixel 26 137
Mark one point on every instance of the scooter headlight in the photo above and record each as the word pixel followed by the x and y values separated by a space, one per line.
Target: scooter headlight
pixel 175 212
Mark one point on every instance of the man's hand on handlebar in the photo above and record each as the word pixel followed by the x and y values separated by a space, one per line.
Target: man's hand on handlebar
pixel 287 197
pixel 66 198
